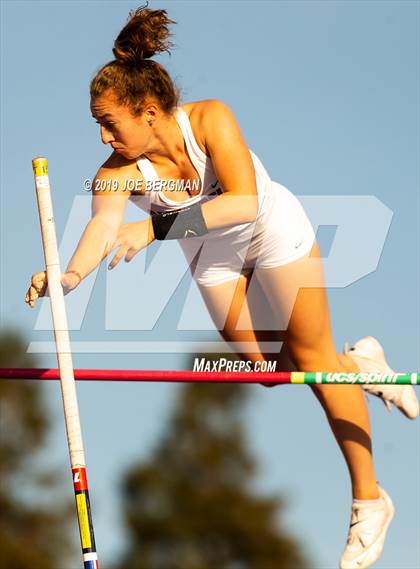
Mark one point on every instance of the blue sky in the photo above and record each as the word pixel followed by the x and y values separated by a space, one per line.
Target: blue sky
pixel 327 95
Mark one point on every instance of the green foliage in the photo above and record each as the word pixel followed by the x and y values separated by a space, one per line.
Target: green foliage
pixel 32 536
pixel 192 505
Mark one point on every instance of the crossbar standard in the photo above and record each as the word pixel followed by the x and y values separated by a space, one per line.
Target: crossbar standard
pixel 294 377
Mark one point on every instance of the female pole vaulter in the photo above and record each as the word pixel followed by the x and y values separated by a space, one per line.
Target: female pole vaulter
pixel 233 223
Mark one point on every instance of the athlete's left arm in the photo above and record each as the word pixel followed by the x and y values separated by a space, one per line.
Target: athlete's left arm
pixel 233 167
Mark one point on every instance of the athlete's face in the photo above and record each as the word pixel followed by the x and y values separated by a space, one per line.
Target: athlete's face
pixel 128 135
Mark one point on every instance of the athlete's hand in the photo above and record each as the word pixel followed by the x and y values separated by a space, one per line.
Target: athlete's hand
pixel 132 238
pixel 39 284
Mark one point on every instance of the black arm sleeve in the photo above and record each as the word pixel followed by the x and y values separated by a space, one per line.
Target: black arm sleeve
pixel 180 223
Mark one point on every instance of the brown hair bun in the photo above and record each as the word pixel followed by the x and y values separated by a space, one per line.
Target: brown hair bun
pixel 145 34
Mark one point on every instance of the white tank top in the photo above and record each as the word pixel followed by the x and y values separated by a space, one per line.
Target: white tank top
pixel 155 200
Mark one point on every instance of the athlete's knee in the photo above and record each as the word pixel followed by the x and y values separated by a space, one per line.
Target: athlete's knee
pixel 281 362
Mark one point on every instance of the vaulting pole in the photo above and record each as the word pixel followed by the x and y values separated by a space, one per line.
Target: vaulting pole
pixel 65 371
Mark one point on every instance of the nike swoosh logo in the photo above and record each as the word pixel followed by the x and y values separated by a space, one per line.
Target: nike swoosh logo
pixel 215 184
pixel 299 244
pixel 190 233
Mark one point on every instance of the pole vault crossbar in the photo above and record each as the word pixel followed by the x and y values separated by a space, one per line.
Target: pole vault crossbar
pixel 214 376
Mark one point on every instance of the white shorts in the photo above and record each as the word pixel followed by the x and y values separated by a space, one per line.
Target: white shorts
pixel 281 234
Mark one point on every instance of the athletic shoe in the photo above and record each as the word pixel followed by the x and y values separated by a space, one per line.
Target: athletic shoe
pixel 369 523
pixel 369 356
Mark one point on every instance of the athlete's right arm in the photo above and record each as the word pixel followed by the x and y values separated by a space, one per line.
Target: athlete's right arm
pixel 108 207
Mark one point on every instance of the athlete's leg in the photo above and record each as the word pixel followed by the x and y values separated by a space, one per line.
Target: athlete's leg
pixel 311 347
pixel 229 304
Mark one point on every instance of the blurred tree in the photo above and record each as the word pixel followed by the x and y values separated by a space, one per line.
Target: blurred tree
pixel 32 535
pixel 192 505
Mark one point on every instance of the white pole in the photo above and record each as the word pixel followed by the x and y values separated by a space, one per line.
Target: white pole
pixel 65 364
